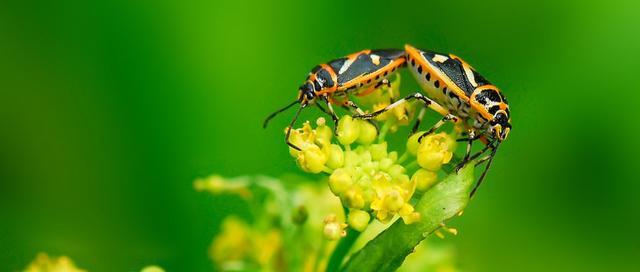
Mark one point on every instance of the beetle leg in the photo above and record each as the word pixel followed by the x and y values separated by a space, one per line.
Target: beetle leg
pixel 330 101
pixel 416 126
pixel 293 122
pixel 352 106
pixel 472 137
pixel 331 113
pixel 427 102
pixel 448 117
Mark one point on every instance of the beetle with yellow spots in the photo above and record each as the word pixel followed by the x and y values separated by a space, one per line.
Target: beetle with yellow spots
pixel 457 91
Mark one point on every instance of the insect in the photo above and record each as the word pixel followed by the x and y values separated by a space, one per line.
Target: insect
pixel 458 92
pixel 332 82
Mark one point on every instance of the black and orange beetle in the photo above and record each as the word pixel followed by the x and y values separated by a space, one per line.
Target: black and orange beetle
pixel 359 73
pixel 460 94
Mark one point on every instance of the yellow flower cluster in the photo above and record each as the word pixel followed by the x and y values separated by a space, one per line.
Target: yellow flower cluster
pixel 368 179
pixel 317 153
pixel 45 263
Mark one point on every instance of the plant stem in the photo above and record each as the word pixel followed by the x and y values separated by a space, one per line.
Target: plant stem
pixel 383 132
pixel 341 250
pixel 404 157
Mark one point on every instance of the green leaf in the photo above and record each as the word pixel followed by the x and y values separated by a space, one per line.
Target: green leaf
pixel 388 250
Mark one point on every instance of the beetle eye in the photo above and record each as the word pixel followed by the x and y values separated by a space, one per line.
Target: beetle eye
pixel 310 95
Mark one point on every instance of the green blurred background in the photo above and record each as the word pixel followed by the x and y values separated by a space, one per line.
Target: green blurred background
pixel 110 109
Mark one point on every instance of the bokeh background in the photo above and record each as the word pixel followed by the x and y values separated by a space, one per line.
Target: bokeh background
pixel 110 109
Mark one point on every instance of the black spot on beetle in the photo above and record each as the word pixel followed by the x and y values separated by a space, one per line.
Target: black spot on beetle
pixel 437 84
pixel 316 84
pixel 385 73
pixel 420 69
pixel 494 109
pixel 488 94
pixel 413 62
pixel 452 95
pixel 427 76
pixel 324 75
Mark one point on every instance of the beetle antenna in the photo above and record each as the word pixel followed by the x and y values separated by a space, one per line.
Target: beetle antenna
pixel 486 168
pixel 266 121
pixel 293 122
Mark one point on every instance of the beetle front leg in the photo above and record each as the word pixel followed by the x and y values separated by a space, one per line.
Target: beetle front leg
pixel 329 112
pixel 472 137
pixel 446 118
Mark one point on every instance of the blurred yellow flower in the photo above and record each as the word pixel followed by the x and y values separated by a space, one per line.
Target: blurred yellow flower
pixel 44 263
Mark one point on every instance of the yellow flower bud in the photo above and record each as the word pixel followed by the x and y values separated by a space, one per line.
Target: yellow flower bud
pixel 151 268
pixel 335 156
pixel 378 151
pixel 393 201
pixel 323 132
pixel 365 156
pixel 401 113
pixel 368 195
pixel 358 219
pixel 384 216
pixel 424 179
pixel 339 181
pixel 412 143
pixel 354 199
pixel 385 163
pixel 348 130
pixel 393 155
pixel 408 215
pixel 434 151
pixel 351 158
pixel 334 230
pixel 396 170
pixel 312 159
pixel 368 132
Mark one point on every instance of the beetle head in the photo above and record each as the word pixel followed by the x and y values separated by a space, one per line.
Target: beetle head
pixel 307 93
pixel 500 125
